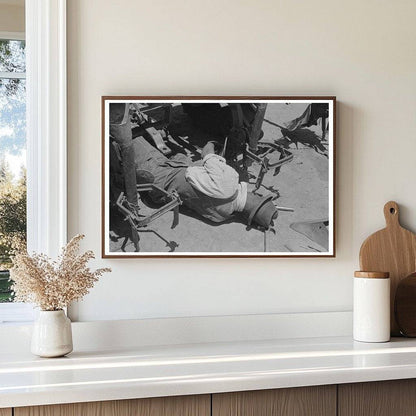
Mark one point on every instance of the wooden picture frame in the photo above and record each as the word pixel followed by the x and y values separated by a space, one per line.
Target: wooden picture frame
pixel 280 148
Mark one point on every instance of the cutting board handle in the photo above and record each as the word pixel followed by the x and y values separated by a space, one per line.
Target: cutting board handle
pixel 391 213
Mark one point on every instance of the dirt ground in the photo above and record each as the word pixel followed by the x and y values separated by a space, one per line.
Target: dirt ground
pixel 302 184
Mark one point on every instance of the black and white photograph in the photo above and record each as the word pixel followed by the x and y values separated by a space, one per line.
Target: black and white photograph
pixel 218 176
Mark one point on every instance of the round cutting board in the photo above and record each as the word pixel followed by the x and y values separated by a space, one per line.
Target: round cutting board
pixel 405 306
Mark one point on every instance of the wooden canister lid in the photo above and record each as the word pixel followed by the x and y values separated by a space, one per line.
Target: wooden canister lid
pixel 372 275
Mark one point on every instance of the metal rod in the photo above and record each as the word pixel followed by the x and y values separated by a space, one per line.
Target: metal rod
pixel 284 209
pixel 224 147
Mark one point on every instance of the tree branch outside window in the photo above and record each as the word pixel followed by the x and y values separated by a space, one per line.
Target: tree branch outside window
pixel 12 156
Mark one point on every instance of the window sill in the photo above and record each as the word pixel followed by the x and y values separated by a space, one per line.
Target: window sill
pixel 16 313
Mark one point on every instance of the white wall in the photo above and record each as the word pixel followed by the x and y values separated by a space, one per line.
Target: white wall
pixel 361 51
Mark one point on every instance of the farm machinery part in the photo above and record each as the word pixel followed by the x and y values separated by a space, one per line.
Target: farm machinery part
pixel 137 222
pixel 246 131
pixel 263 159
pixel 153 129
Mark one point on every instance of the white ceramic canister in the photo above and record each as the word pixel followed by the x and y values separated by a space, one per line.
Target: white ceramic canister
pixel 371 313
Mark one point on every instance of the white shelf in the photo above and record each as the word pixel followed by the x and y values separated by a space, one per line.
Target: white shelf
pixel 150 371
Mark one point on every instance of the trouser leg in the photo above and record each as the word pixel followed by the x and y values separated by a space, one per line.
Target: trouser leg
pixel 120 129
pixel 150 159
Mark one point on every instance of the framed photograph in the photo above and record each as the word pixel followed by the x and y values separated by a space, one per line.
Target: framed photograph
pixel 218 176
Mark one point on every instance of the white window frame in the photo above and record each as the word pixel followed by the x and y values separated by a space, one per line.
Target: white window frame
pixel 14 312
pixel 46 127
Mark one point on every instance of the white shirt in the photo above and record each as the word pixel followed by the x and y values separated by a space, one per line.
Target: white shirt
pixel 214 178
pixel 240 201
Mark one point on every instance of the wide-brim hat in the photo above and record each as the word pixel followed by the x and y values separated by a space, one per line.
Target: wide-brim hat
pixel 260 210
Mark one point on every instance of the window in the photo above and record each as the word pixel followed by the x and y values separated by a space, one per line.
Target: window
pixel 12 153
pixel 45 90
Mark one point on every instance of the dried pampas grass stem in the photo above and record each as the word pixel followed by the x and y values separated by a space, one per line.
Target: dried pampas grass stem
pixel 53 285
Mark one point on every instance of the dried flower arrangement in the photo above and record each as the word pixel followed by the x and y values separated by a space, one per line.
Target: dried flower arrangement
pixel 53 285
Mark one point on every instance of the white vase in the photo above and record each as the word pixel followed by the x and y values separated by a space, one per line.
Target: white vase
pixel 52 334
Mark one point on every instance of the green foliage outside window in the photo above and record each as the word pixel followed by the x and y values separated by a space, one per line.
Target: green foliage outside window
pixel 12 223
pixel 12 148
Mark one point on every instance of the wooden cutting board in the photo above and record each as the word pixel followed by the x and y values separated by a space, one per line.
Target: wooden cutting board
pixel 393 250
